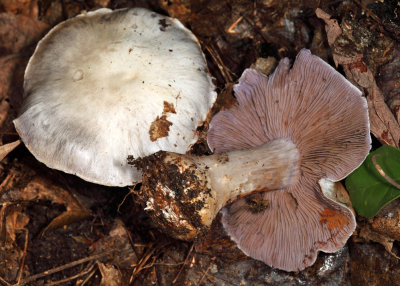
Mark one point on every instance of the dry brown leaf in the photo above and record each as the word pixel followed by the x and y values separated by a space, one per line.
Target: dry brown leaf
pixel 388 80
pixel 178 9
pixel 18 32
pixel 332 27
pixel 110 276
pixel 384 228
pixel 41 189
pixel 8 65
pixel 370 235
pixel 24 7
pixel 15 221
pixel 119 240
pixel 383 124
pixel 12 221
pixel 10 257
pixel 7 148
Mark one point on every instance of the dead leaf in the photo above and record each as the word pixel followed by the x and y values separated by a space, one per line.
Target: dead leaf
pixel 12 221
pixel 178 9
pixel 384 228
pixel 388 80
pixel 42 189
pixel 7 148
pixel 332 27
pixel 15 221
pixel 119 240
pixel 24 7
pixel 383 124
pixel 370 235
pixel 10 257
pixel 110 276
pixel 18 32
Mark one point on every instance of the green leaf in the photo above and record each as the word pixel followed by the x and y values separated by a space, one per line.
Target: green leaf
pixel 369 190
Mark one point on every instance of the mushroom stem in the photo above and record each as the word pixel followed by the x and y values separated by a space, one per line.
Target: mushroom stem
pixel 184 193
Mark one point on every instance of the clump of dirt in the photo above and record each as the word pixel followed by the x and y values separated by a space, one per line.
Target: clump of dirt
pixel 170 192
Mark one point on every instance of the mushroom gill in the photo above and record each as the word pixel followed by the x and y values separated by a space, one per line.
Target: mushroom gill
pixel 326 117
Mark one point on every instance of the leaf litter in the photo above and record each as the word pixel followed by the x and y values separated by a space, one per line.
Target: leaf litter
pixel 91 243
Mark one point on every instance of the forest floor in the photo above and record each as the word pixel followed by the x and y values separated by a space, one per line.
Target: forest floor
pixel 56 229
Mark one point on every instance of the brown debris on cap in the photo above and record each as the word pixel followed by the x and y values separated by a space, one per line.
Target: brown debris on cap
pixel 326 117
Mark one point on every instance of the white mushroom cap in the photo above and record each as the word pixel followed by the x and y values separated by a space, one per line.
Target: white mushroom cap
pixel 109 84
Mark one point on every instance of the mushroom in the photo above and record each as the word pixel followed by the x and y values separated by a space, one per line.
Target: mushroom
pixel 326 118
pixel 310 108
pixel 108 84
pixel 184 193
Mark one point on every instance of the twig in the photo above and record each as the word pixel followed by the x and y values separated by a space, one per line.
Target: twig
pixel 21 268
pixel 159 263
pixel 5 182
pixel 168 264
pixel 217 59
pixel 205 272
pixel 4 281
pixel 126 196
pixel 231 28
pixel 184 264
pixel 382 173
pixel 369 12
pixel 139 266
pixel 208 276
pixel 63 267
pixel 3 231
pixel 89 268
pixel 142 244
pixel 387 50
pixel 88 277
pixel 204 275
pixel 257 29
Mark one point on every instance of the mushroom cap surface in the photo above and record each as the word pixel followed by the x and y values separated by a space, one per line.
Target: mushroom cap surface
pixel 108 84
pixel 326 117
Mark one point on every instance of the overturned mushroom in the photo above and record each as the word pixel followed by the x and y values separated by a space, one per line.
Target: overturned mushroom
pixel 186 192
pixel 310 107
pixel 326 118
pixel 108 84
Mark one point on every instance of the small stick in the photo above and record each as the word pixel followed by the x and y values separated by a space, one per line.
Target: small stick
pixel 73 277
pixel 233 26
pixel 131 191
pixel 222 67
pixel 5 182
pixel 88 277
pixel 125 197
pixel 205 273
pixel 21 268
pixel 208 276
pixel 4 281
pixel 63 267
pixel 139 266
pixel 369 12
pixel 3 231
pixel 184 264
